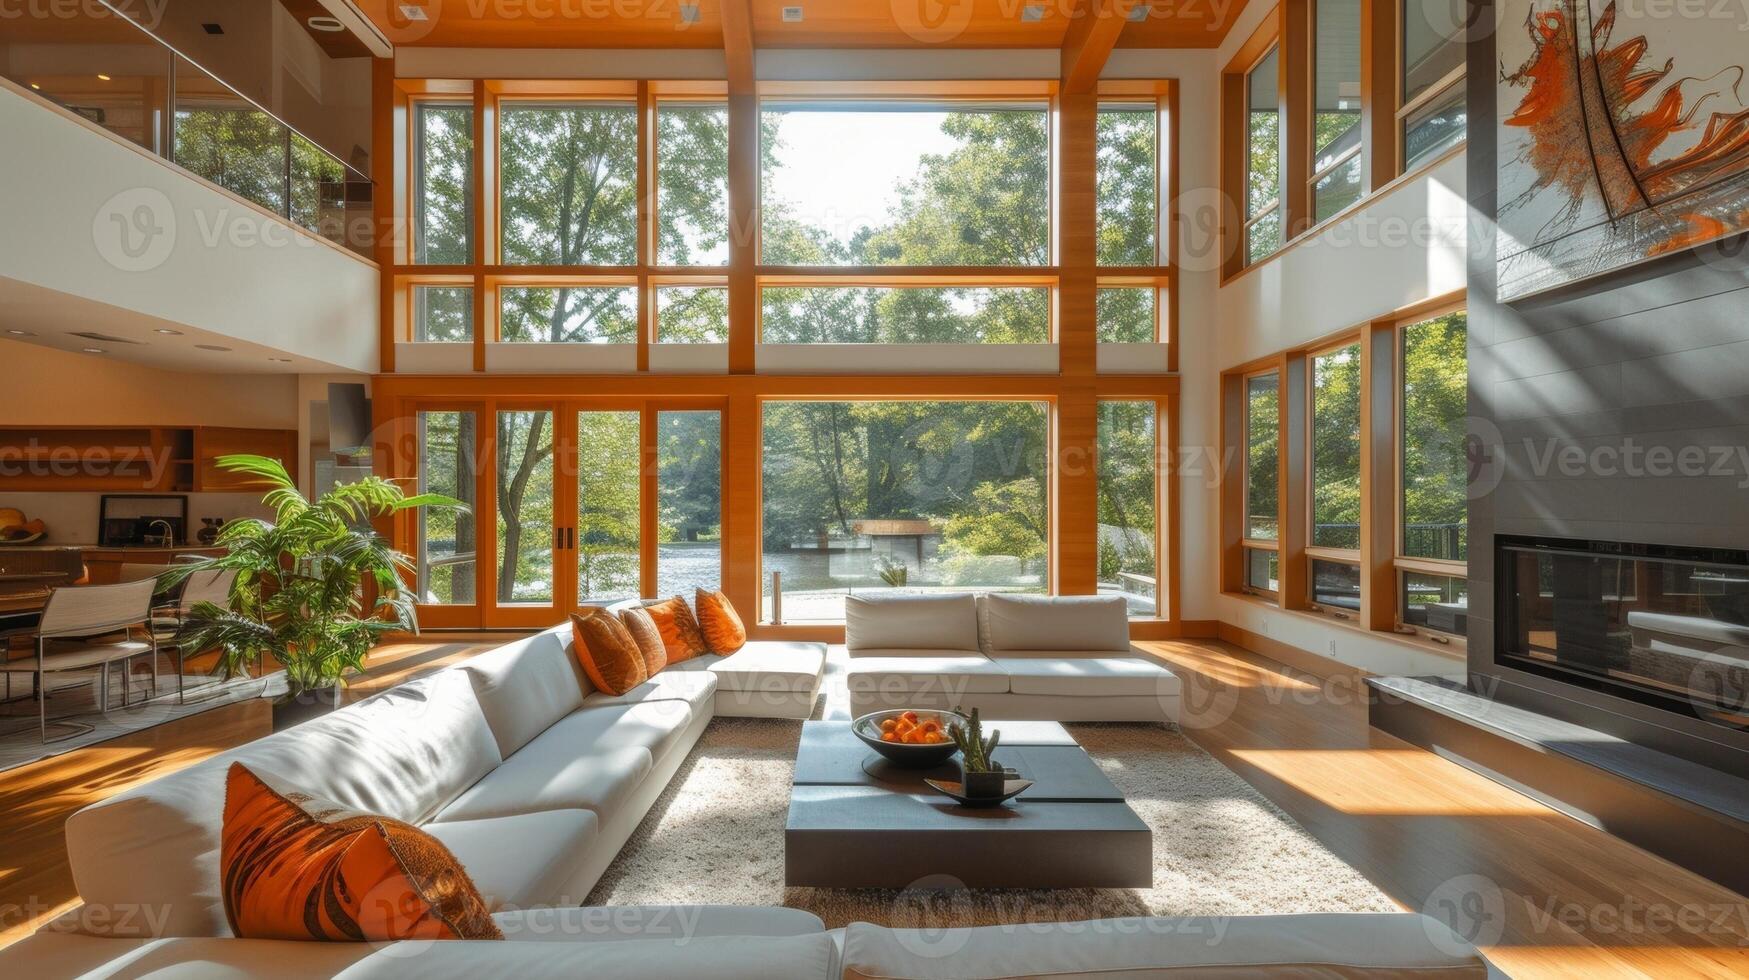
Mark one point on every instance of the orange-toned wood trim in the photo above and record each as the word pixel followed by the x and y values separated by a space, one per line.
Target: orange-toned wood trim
pixel 649 471
pixel 1149 89
pixel 1293 471
pixel 743 231
pixel 685 88
pixel 1232 481
pixel 431 86
pixel 932 275
pixel 1088 43
pixel 1167 217
pixel 1168 602
pixel 485 315
pixel 1074 432
pixel 1232 135
pixel 384 104
pixel 564 88
pixel 742 572
pixel 1295 83
pixel 1378 85
pixel 1255 46
pixel 567 492
pixel 646 223
pixel 703 387
pixel 937 90
pixel 738 54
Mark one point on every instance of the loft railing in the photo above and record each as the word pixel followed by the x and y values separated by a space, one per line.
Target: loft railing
pixel 110 71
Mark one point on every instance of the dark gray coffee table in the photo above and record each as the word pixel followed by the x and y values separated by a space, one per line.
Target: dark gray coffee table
pixel 856 821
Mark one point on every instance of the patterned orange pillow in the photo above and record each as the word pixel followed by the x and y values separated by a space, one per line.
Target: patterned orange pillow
pixel 607 652
pixel 720 623
pixel 295 867
pixel 649 639
pixel 681 636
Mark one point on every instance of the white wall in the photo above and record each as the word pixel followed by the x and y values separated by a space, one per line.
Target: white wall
pixel 213 263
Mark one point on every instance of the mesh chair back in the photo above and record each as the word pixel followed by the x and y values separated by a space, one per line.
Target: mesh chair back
pixel 87 610
pixel 212 585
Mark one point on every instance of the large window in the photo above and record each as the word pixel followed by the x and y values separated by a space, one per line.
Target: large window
pixel 1127 314
pixel 1127 173
pixel 1433 114
pixel 1129 499
pixel 524 458
pixel 1336 448
pixel 692 184
pixel 692 314
pixel 607 506
pixel 1336 129
pixel 568 314
pixel 905 183
pixel 1263 131
pixel 568 184
pixel 443 314
pixel 908 315
pixel 1435 470
pixel 444 551
pixel 689 456
pixel 443 178
pixel 1262 499
pixel 908 496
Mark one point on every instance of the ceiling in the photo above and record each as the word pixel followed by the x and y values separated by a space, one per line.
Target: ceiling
pixel 824 24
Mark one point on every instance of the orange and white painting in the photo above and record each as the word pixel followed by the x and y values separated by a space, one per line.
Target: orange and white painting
pixel 1623 132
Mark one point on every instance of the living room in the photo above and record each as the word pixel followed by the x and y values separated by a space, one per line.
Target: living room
pixel 874 489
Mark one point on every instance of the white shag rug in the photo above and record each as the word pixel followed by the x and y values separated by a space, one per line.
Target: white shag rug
pixel 716 837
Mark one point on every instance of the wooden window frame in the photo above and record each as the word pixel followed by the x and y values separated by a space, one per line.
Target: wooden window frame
pixel 1162 274
pixel 1402 564
pixel 1164 568
pixel 1309 547
pixel 1235 142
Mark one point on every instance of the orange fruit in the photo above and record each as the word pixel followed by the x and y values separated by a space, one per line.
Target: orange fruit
pixel 910 716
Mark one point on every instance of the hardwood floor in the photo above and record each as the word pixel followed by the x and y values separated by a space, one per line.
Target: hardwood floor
pixel 1553 897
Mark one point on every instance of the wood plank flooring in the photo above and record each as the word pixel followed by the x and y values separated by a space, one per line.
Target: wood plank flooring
pixel 1550 896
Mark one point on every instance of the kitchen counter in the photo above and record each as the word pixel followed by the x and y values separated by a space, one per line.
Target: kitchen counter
pixel 102 565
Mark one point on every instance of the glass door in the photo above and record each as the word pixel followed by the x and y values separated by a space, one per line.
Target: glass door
pixel 606 556
pixel 529 577
pixel 447 557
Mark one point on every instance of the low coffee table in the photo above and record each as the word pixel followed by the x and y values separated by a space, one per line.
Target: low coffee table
pixel 857 821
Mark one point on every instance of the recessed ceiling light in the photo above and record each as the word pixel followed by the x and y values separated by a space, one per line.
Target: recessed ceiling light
pixel 20 333
pixel 1032 13
pixel 689 13
pixel 102 77
pixel 214 347
pixel 34 85
pixel 166 331
pixel 330 25
pixel 412 11
pixel 792 15
pixel 93 350
pixel 1139 12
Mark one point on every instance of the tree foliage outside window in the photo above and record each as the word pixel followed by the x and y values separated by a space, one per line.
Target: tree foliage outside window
pixel 608 499
pixel 1263 158
pixel 1127 172
pixel 524 460
pixel 568 189
pixel 443 207
pixel 1128 482
pixel 568 314
pixel 692 184
pixel 240 149
pixel 883 315
pixel 955 491
pixel 692 314
pixel 1262 445
pixel 445 553
pixel 1435 468
pixel 443 314
pixel 689 500
pixel 1336 448
pixel 1126 314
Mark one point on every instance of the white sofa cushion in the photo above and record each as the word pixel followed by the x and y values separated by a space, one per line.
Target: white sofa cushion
pixel 592 759
pixel 947 675
pixel 404 753
pixel 910 622
pixel 525 859
pixel 771 666
pixel 1297 947
pixel 1083 676
pixel 1088 623
pixel 689 681
pixel 526 685
pixel 611 923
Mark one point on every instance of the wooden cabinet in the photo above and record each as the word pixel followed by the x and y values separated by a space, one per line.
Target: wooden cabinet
pixel 134 459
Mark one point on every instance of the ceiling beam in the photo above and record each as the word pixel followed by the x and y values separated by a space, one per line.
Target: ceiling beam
pixel 1089 41
pixel 738 45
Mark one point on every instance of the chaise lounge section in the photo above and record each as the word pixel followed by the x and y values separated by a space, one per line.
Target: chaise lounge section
pixel 1062 658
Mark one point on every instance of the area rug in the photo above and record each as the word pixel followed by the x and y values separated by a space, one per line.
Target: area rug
pixel 1220 848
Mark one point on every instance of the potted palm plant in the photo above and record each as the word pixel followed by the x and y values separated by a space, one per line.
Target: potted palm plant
pixel 299 598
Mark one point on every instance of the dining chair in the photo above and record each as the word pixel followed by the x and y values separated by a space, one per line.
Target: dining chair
pixel 212 585
pixel 70 636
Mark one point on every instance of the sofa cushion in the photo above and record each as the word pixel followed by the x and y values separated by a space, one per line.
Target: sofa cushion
pixel 948 676
pixel 723 630
pixel 1309 947
pixel 527 685
pixel 592 760
pixel 605 648
pixel 649 639
pixel 603 923
pixel 524 859
pixel 1083 676
pixel 695 686
pixel 1089 623
pixel 772 665
pixel 910 622
pixel 300 868
pixel 681 636
pixel 404 753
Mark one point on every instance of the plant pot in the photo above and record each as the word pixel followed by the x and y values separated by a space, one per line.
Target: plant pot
pixel 983 785
pixel 305 706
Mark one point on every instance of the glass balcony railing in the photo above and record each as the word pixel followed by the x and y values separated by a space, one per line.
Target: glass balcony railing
pixel 113 73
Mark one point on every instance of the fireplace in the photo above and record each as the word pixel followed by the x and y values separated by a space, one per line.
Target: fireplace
pixel 1663 626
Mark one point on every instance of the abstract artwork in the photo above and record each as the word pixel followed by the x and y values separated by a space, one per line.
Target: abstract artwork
pixel 1622 138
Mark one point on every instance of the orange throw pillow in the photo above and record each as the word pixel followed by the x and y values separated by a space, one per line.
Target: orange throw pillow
pixel 720 623
pixel 607 652
pixel 295 867
pixel 681 636
pixel 649 639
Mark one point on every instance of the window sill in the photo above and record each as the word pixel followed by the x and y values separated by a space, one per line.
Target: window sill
pixel 1455 650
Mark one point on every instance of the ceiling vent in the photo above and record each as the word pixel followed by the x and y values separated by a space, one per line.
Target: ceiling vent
pixel 212 28
pixel 792 15
pixel 105 338
pixel 412 12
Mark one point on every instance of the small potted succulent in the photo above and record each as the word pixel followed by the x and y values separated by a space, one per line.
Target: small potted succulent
pixel 982 777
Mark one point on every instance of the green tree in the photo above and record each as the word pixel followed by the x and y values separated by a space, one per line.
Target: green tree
pixel 1435 466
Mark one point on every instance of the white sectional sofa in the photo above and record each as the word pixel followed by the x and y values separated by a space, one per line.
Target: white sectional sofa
pixel 535 782
pixel 1061 658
